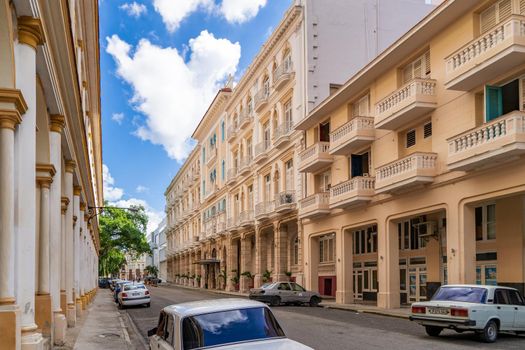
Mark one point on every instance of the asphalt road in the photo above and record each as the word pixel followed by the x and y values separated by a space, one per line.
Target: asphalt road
pixel 328 329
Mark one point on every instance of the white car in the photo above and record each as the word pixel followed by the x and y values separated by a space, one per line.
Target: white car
pixel 485 310
pixel 134 294
pixel 234 324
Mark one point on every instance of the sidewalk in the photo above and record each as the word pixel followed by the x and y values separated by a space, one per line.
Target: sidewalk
pixel 329 304
pixel 104 327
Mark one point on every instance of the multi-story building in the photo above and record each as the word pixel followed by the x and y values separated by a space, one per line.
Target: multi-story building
pixel 415 166
pixel 158 245
pixel 133 269
pixel 232 208
pixel 50 168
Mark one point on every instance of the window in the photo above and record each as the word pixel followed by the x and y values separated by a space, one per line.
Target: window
pixel 168 335
pixel 266 86
pixel 495 14
pixel 427 130
pixel 203 155
pixel 250 197
pixel 267 188
pixel 365 240
pixel 288 114
pixel 223 131
pixel 326 248
pixel 223 169
pixel 249 148
pixel 419 68
pixel 266 134
pixel 297 288
pixel 324 132
pixel 360 164
pixel 485 221
pixel 410 138
pixel 409 232
pixel 289 175
pixel 361 107
pixel 325 181
pixel 296 251
pixel 284 286
pixel 500 100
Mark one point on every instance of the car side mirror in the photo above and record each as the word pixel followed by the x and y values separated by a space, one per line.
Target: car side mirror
pixel 152 331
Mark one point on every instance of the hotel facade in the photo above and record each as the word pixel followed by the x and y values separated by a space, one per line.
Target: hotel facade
pixel 50 168
pixel 233 208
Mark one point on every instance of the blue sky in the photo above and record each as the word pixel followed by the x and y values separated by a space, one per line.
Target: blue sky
pixel 162 62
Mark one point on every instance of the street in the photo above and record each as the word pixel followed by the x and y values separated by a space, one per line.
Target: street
pixel 322 328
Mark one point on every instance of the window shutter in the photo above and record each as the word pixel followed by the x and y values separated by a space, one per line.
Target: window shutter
pixel 407 74
pixel 427 63
pixel 410 138
pixel 504 10
pixel 417 68
pixel 522 7
pixel 488 18
pixel 427 130
pixel 522 91
pixel 493 102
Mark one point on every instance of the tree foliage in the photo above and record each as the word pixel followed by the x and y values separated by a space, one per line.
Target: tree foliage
pixel 152 270
pixel 121 232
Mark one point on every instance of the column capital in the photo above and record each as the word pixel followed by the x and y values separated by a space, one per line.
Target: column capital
pixel 82 206
pixel 77 190
pixel 70 165
pixel 57 122
pixel 45 174
pixel 30 31
pixel 14 97
pixel 65 203
pixel 9 119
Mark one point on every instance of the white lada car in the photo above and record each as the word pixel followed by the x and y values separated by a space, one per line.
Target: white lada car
pixel 485 310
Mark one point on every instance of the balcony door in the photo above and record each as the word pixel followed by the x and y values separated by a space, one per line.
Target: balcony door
pixel 289 175
pixel 500 100
pixel 266 134
pixel 324 132
pixel 267 188
pixel 360 164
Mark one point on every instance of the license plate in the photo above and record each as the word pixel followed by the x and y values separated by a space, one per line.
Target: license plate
pixel 135 294
pixel 438 310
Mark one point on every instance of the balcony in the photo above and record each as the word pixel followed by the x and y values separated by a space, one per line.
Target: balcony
pixel 264 210
pixel 282 134
pixel 314 206
pixel 315 157
pixel 282 74
pixel 413 100
pixel 212 155
pixel 232 224
pixel 501 140
pixel 261 98
pixel 414 170
pixel 356 191
pixel 246 218
pixel 245 165
pixel 212 190
pixel 494 53
pixel 357 133
pixel 261 151
pixel 232 133
pixel 285 202
pixel 245 119
pixel 231 177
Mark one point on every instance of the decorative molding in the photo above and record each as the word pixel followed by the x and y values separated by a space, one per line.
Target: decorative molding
pixel 83 207
pixel 77 190
pixel 30 31
pixel 57 123
pixel 45 174
pixel 14 96
pixel 70 166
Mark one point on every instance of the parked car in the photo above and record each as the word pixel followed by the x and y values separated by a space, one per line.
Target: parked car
pixel 233 324
pixel 284 292
pixel 134 294
pixel 486 310
pixel 103 282
pixel 118 288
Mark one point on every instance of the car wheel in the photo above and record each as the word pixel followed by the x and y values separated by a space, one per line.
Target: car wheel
pixel 490 332
pixel 433 331
pixel 276 301
pixel 314 301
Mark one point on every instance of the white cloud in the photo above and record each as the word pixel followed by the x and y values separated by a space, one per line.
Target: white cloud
pixel 134 9
pixel 114 197
pixel 239 11
pixel 111 193
pixel 141 189
pixel 117 118
pixel 173 94
pixel 173 12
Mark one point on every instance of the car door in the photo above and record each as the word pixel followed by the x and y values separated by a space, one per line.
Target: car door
pixel 519 309
pixel 155 338
pixel 284 291
pixel 504 309
pixel 300 294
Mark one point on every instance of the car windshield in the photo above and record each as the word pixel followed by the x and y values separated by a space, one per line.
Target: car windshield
pixel 267 285
pixel 464 294
pixel 133 286
pixel 228 327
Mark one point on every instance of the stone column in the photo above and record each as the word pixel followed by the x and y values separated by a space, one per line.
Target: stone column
pixel 80 248
pixel 344 267
pixel 77 190
pixel 63 302
pixel 30 35
pixel 43 308
pixel 245 259
pixel 461 243
pixel 259 251
pixel 69 244
pixel 388 296
pixel 281 241
pixel 9 312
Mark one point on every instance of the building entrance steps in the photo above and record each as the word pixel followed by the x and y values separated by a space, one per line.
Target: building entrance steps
pixel 104 327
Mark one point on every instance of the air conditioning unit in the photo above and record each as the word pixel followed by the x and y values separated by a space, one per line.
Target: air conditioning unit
pixel 428 229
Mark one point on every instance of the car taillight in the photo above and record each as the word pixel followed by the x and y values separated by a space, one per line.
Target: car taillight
pixel 124 295
pixel 459 312
pixel 147 292
pixel 419 309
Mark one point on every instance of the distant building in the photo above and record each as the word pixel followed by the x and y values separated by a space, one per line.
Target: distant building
pixel 157 243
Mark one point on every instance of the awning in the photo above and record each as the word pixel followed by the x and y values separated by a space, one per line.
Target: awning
pixel 207 262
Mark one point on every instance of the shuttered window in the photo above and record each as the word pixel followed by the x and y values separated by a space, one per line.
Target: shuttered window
pixel 497 13
pixel 410 138
pixel 427 130
pixel 361 107
pixel 419 68
pixel 522 7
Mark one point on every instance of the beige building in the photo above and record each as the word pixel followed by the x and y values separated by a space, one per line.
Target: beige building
pixel 50 168
pixel 232 215
pixel 415 166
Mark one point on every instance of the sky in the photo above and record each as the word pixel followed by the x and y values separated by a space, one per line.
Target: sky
pixel 161 64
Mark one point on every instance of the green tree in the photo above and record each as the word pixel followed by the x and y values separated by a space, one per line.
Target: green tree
pixel 121 232
pixel 152 270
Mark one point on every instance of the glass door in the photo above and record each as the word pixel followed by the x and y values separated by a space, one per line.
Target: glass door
pixel 358 284
pixel 417 283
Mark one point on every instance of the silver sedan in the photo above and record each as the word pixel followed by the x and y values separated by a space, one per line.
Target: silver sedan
pixel 134 294
pixel 284 293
